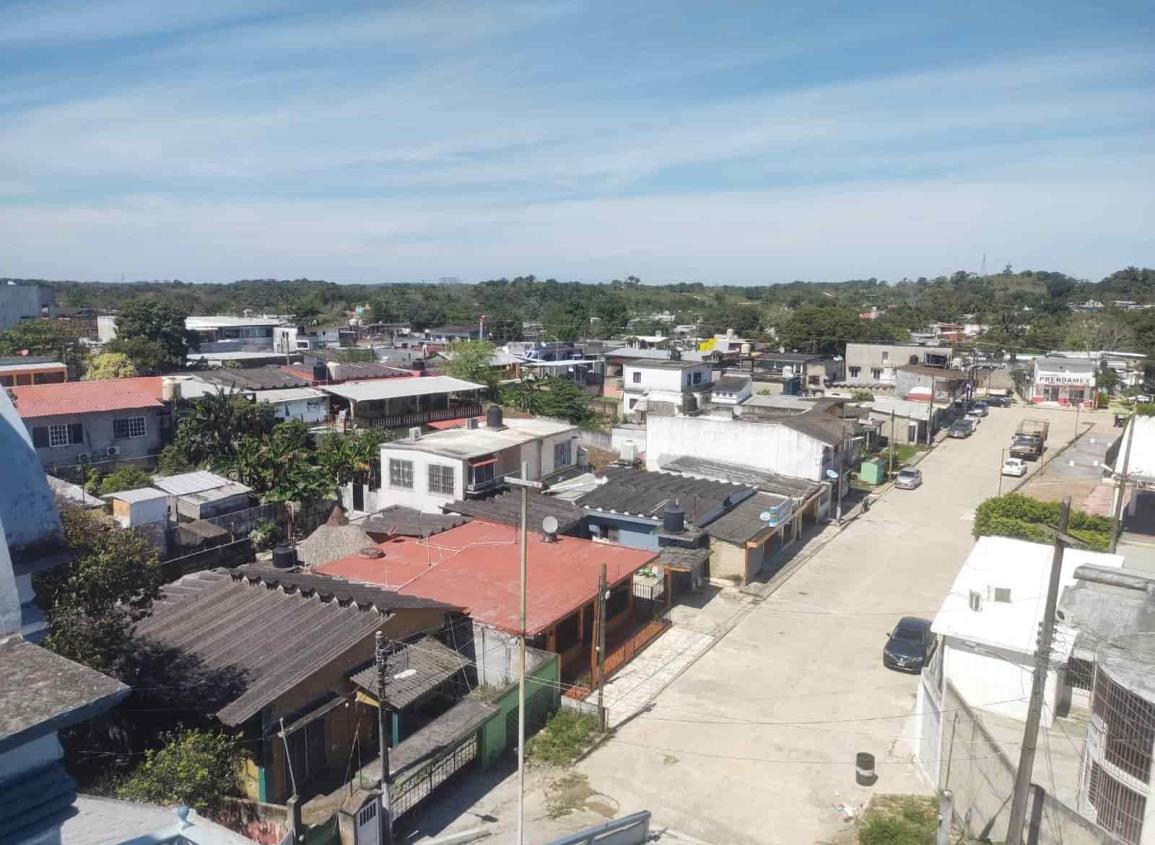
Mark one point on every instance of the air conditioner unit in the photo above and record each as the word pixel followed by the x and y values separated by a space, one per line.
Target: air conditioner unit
pixel 112 451
pixel 415 433
pixel 83 458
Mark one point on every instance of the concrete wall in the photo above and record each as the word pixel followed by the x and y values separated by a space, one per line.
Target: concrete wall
pixel 20 302
pixel 981 775
pixel 765 446
pixel 306 410
pixel 620 436
pixel 98 437
pixel 635 533
pixel 542 691
pixel 997 680
pixel 664 378
pixel 885 358
pixel 419 497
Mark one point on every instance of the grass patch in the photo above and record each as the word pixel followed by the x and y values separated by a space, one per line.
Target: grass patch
pixel 566 794
pixel 899 820
pixel 904 453
pixel 563 739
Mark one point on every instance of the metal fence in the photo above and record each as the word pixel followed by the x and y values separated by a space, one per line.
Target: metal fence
pixel 413 788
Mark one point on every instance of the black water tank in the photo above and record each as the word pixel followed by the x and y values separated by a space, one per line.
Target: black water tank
pixel 320 372
pixel 493 417
pixel 284 557
pixel 673 519
pixel 418 365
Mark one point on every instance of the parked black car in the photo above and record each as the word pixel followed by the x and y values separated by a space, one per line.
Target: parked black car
pixel 909 646
pixel 998 401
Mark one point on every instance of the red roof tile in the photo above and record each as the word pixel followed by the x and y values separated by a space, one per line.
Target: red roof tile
pixel 87 397
pixel 477 566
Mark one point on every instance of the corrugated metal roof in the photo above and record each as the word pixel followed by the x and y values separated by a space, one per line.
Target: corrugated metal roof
pixel 393 388
pixel 744 523
pixel 255 641
pixel 255 378
pixel 290 394
pixel 505 509
pixel 190 482
pixel 400 521
pixel 641 493
pixel 412 671
pixel 769 482
pixel 141 494
pixel 87 397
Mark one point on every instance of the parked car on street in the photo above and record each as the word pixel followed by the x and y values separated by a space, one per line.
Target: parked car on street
pixel 962 428
pixel 1015 466
pixel 908 479
pixel 978 409
pixel 998 401
pixel 909 645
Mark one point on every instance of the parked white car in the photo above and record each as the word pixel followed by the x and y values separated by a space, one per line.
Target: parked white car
pixel 1015 466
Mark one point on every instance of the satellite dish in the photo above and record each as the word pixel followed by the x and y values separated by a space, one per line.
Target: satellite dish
pixel 765 516
pixel 549 525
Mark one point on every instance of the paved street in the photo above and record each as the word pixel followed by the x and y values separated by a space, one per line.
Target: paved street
pixel 755 741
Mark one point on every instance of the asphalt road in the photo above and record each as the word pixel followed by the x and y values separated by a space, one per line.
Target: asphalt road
pixel 755 742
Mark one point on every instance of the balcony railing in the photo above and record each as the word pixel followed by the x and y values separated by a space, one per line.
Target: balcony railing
pixel 418 417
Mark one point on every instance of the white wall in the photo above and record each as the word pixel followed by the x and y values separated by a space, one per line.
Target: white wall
pixel 995 679
pixel 419 497
pixel 764 446
pixel 664 378
pixel 306 410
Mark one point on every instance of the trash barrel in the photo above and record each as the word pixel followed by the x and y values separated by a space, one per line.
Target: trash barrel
pixel 864 769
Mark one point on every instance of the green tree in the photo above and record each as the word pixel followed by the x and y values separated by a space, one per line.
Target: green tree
pixel 472 360
pixel 162 326
pixel 146 356
pixel 211 427
pixel 109 365
pixel 351 457
pixel 280 466
pixel 93 604
pixel 55 339
pixel 195 768
pixel 550 397
pixel 124 478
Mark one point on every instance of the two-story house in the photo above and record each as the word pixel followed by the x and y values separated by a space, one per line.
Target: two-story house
pixel 428 470
pixel 874 364
pixel 652 384
pixel 87 422
pixel 799 373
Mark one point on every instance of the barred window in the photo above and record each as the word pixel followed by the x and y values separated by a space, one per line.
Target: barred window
pixel 401 474
pixel 1079 673
pixel 562 454
pixel 1129 723
pixel 1117 808
pixel 65 435
pixel 441 479
pixel 128 427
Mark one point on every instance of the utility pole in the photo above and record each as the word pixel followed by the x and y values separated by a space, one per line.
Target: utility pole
pixel 1018 813
pixel 1002 460
pixel 601 637
pixel 525 484
pixel 930 416
pixel 1117 513
pixel 386 814
pixel 890 467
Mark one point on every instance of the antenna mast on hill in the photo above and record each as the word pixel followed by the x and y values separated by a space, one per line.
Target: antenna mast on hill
pixel 983 270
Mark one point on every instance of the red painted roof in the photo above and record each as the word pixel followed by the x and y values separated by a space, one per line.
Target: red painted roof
pixel 87 397
pixel 443 425
pixel 477 566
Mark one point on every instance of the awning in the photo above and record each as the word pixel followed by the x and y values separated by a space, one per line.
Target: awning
pixel 483 462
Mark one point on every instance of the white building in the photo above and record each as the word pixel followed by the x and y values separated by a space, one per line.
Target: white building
pixel 1066 381
pixel 221 334
pixel 875 364
pixel 426 471
pixel 647 383
pixel 731 390
pixel 989 625
pixel 806 445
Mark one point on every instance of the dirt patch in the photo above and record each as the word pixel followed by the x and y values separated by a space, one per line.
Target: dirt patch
pixel 571 792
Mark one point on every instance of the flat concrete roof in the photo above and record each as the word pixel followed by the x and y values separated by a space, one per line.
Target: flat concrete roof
pixel 466 443
pixel 395 388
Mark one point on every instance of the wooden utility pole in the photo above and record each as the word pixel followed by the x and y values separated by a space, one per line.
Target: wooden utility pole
pixel 386 814
pixel 1121 493
pixel 601 636
pixel 1018 814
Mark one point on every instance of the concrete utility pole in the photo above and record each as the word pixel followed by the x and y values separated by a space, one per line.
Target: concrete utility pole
pixel 525 484
pixel 1018 815
pixel 1121 493
pixel 890 467
pixel 386 814
pixel 601 635
pixel 1002 460
pixel 930 416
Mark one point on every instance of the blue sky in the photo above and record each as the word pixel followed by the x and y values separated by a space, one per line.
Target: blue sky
pixel 748 142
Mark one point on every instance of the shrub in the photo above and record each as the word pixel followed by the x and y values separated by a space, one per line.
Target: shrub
pixel 567 735
pixel 264 535
pixel 899 820
pixel 1024 518
pixel 125 478
pixel 862 396
pixel 194 768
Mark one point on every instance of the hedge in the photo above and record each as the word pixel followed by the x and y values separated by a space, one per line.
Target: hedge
pixel 1024 518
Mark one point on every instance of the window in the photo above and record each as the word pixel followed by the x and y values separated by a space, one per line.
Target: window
pixel 562 454
pixel 885 355
pixel 876 373
pixel 1117 808
pixel 482 474
pixel 813 380
pixel 697 378
pixel 401 474
pixel 128 427
pixel 976 600
pixel 1129 725
pixel 1080 673
pixel 54 436
pixel 441 480
pixel 1003 594
pixel 636 377
pixel 854 371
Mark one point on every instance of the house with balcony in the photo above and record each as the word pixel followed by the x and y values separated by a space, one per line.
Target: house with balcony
pixel 797 373
pixel 664 386
pixel 402 401
pixel 21 371
pixel 232 334
pixel 429 470
pixel 876 364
